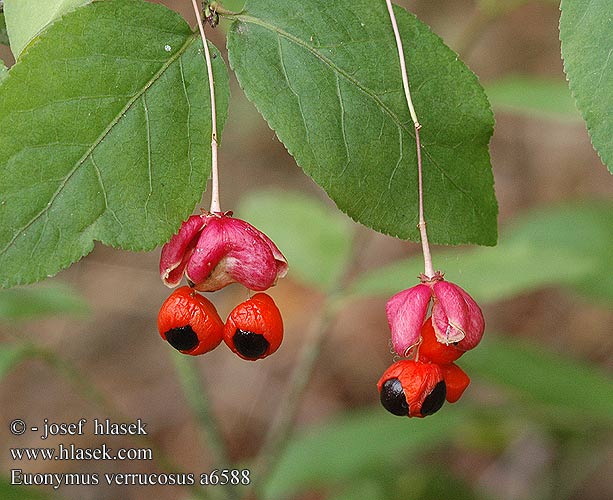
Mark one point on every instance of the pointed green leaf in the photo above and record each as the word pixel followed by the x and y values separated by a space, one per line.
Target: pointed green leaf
pixel 538 376
pixel 315 239
pixel 586 33
pixel 26 18
pixel 325 74
pixel 565 245
pixel 4 72
pixel 341 449
pixel 105 136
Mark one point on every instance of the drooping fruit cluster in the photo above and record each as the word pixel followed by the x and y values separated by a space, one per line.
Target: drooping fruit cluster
pixel 212 251
pixel 419 386
pixel 190 323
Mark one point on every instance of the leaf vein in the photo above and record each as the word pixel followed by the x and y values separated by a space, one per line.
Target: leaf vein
pixel 389 185
pixel 343 126
pixel 368 92
pixel 189 117
pixel 99 140
pixel 304 121
pixel 148 135
pixel 106 201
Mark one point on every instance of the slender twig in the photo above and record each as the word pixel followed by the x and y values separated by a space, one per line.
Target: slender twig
pixel 428 268
pixel 283 422
pixel 282 426
pixel 197 398
pixel 215 206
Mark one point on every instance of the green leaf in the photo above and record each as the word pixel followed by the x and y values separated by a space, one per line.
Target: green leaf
pixel 4 72
pixel 584 230
pixel 234 5
pixel 10 356
pixel 4 37
pixel 566 245
pixel 531 96
pixel 26 18
pixel 339 450
pixel 35 302
pixel 315 239
pixel 325 75
pixel 586 33
pixel 536 376
pixel 365 488
pixel 106 127
pixel 408 479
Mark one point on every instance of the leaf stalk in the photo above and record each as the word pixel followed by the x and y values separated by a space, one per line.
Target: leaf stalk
pixel 215 205
pixel 428 268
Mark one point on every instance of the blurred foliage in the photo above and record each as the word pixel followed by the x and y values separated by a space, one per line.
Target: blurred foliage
pixel 533 97
pixel 567 245
pixel 408 479
pixel 358 447
pixel 315 238
pixel 354 444
pixel 11 355
pixel 34 302
pixel 370 451
pixel 554 386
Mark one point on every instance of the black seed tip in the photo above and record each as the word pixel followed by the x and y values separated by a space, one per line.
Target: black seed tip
pixel 393 398
pixel 182 338
pixel 250 344
pixel 434 401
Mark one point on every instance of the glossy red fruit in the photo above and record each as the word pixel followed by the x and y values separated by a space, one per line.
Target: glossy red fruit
pixel 254 328
pixel 434 351
pixel 189 322
pixel 456 381
pixel 412 388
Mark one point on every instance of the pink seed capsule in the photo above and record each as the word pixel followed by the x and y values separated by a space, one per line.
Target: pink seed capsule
pixel 214 250
pixel 456 317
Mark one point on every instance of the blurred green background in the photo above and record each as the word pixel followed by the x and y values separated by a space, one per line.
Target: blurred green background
pixel 537 420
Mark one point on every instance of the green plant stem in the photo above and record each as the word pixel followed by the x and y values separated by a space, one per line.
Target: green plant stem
pixel 283 422
pixel 89 391
pixel 282 425
pixel 197 398
pixel 425 246
pixel 215 205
